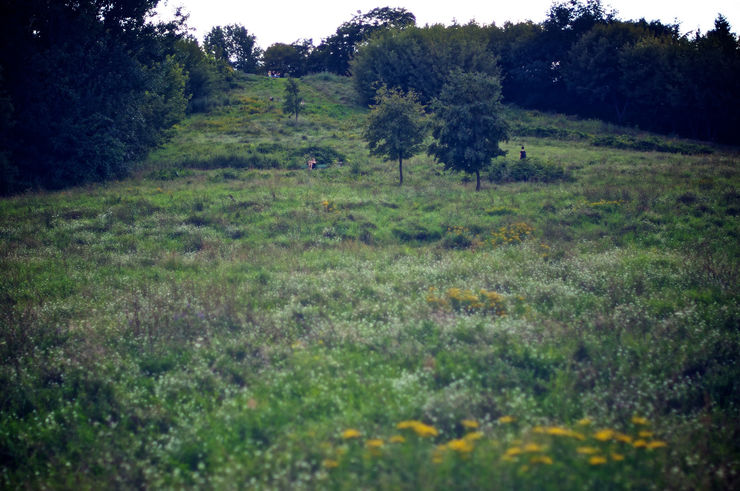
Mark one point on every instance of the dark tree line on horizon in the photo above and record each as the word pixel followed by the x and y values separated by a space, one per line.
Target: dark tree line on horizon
pixel 581 60
pixel 87 87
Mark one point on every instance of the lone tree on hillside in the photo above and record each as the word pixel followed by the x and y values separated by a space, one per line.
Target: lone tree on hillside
pixel 467 123
pixel 293 102
pixel 396 127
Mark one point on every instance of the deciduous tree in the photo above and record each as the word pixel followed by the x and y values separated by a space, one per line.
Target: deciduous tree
pixel 293 102
pixel 235 45
pixel 396 126
pixel 467 123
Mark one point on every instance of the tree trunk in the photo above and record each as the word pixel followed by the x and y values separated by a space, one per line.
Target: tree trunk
pixel 400 171
pixel 477 180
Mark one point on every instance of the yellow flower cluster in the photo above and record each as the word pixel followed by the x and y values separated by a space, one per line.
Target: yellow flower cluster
pixel 350 433
pixel 461 446
pixel 328 206
pixel 458 230
pixel 604 202
pixel 559 431
pixel 512 453
pixel 511 234
pixel 421 429
pixel 599 448
pixel 468 301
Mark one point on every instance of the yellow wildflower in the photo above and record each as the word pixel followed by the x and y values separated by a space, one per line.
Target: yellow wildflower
pixel 604 435
pixel 396 439
pixel 597 460
pixel 506 419
pixel 645 434
pixel 472 436
pixel 330 463
pixel 584 422
pixel 638 420
pixel 640 443
pixel 617 457
pixel 587 450
pixel 656 444
pixel 540 459
pixel 511 452
pixel 406 424
pixel 558 431
pixel 424 430
pixel 621 437
pixel 460 445
pixel 374 443
pixel 470 423
pixel 350 433
pixel 533 447
pixel 421 429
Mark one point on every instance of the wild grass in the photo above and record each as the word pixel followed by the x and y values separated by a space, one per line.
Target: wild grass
pixel 218 322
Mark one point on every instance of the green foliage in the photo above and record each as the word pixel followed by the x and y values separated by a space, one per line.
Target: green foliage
pixel 286 59
pixel 420 59
pixel 468 125
pixel 322 154
pixel 98 86
pixel 650 144
pixel 527 170
pixel 292 101
pixel 205 76
pixel 234 45
pixel 396 126
pixel 583 60
pixel 335 52
pixel 278 328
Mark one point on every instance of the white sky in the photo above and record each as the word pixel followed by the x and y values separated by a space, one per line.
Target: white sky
pixel 286 21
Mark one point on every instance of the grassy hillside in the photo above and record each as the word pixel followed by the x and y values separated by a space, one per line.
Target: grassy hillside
pixel 229 319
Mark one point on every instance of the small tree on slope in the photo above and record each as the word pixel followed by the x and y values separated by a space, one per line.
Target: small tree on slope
pixel 467 123
pixel 292 103
pixel 396 126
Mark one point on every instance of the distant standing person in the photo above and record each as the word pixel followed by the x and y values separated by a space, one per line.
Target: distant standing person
pixel 523 154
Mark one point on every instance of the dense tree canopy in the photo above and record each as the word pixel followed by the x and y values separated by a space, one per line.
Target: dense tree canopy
pixel 87 88
pixel 234 45
pixel 581 60
pixel 286 59
pixel 420 59
pixel 336 51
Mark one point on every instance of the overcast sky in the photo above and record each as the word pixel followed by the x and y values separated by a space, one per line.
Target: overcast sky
pixel 286 21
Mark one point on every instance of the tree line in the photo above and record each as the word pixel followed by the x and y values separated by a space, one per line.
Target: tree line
pixel 582 59
pixel 88 86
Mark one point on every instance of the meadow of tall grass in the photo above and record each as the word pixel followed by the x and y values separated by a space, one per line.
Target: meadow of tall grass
pixel 227 318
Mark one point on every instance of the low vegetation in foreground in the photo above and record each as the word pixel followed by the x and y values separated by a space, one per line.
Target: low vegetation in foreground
pixel 229 319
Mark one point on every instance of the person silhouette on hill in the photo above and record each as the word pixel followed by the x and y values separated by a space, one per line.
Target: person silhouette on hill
pixel 523 154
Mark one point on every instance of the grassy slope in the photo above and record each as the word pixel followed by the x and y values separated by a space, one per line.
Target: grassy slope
pixel 223 327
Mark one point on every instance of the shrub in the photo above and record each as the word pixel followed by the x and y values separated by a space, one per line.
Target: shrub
pixel 529 169
pixel 324 155
pixel 649 144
